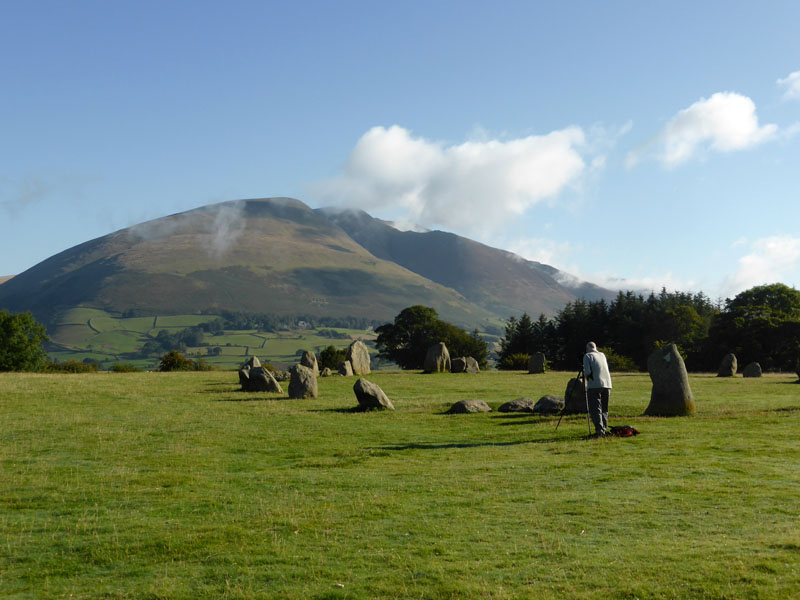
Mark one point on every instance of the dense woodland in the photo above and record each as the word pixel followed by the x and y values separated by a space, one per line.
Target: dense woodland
pixel 761 324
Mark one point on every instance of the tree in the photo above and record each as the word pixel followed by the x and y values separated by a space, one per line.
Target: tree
pixel 21 339
pixel 760 324
pixel 331 357
pixel 175 361
pixel 416 329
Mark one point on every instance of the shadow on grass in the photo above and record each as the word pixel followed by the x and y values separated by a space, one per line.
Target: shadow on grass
pixel 351 410
pixel 432 446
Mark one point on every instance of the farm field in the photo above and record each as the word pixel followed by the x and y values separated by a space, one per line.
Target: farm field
pixel 178 486
pixel 86 333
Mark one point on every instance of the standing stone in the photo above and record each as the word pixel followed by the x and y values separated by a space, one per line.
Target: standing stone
pixel 575 397
pixel 303 382
pixel 358 355
pixel 671 395
pixel 346 369
pixel 728 366
pixel 537 363
pixel 309 359
pixel 244 378
pixel 437 360
pixel 369 395
pixel 261 380
pixel 458 365
pixel 253 363
pixel 472 366
pixel 752 370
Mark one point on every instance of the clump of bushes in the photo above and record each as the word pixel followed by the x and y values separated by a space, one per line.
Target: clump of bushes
pixel 619 363
pixel 70 366
pixel 176 361
pixel 124 368
pixel 515 362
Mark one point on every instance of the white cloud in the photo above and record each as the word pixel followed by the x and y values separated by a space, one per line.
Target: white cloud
pixel 770 260
pixel 477 185
pixel 725 122
pixel 791 86
pixel 549 252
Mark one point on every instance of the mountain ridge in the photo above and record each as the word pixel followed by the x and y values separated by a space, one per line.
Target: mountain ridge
pixel 277 255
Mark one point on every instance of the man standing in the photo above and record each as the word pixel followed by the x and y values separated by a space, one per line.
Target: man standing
pixel 598 387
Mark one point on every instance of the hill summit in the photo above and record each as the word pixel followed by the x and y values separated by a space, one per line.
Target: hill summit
pixel 279 256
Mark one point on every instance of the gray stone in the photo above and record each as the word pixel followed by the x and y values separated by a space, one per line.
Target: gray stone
pixel 437 359
pixel 518 405
pixel 458 365
pixel 309 359
pixel 537 363
pixel 671 395
pixel 369 395
pixel 261 380
pixel 358 355
pixel 468 406
pixel 303 382
pixel 728 366
pixel 346 369
pixel 244 377
pixel 575 397
pixel 253 362
pixel 752 370
pixel 472 366
pixel 549 405
pixel 326 372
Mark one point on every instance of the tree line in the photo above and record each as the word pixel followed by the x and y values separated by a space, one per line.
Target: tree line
pixel 761 325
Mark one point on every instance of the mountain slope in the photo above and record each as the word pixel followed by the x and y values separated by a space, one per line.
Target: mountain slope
pixel 500 281
pixel 273 255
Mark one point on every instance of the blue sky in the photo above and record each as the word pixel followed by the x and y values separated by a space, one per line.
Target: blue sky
pixel 633 144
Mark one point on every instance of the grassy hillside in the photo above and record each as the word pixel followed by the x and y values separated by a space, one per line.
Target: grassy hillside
pixel 86 333
pixel 176 486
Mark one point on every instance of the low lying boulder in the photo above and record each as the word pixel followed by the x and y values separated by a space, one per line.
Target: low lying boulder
pixel 752 370
pixel 469 406
pixel 258 379
pixel 516 406
pixel 326 372
pixel 549 405
pixel 575 397
pixel 464 364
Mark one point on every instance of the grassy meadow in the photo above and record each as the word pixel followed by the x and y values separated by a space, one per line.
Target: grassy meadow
pixel 176 485
pixel 89 333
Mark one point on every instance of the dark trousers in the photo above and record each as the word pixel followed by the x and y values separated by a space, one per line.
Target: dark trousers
pixel 598 408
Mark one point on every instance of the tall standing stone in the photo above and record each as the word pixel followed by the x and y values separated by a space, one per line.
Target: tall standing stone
pixel 537 363
pixel 437 359
pixel 671 395
pixel 358 355
pixel 302 383
pixel 575 397
pixel 728 366
pixel 309 359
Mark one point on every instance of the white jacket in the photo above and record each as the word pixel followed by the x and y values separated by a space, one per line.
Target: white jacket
pixel 595 369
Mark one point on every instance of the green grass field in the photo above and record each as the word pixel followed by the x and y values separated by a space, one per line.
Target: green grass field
pixel 95 334
pixel 176 485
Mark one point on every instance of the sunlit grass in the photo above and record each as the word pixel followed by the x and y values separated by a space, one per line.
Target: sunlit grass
pixel 177 485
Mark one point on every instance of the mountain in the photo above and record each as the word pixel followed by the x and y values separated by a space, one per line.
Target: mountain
pixel 500 281
pixel 279 256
